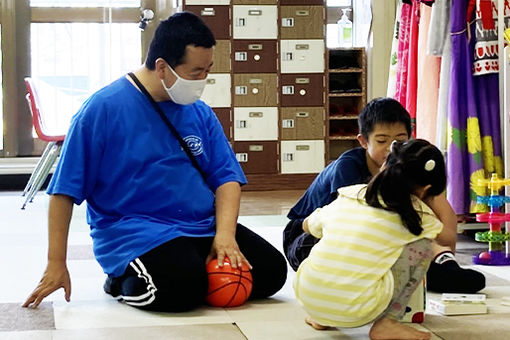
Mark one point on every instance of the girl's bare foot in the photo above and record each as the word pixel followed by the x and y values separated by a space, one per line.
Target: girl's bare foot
pixel 386 329
pixel 315 325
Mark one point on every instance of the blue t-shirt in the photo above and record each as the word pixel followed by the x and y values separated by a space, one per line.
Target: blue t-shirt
pixel 141 187
pixel 350 168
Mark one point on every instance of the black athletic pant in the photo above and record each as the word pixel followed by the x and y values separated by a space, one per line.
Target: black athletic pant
pixel 172 276
pixel 296 243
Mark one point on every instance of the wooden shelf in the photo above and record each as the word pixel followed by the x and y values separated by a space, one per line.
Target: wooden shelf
pixel 342 137
pixel 353 117
pixel 346 70
pixel 353 94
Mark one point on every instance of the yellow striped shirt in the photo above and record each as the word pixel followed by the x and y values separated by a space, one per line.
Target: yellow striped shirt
pixel 346 281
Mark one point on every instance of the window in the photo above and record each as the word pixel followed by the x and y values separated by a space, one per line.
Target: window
pixel 70 61
pixel 85 3
pixel 334 13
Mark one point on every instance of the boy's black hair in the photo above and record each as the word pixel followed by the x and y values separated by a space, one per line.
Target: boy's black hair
pixel 383 111
pixel 173 35
pixel 409 166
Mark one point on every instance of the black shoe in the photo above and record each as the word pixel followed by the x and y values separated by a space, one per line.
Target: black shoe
pixel 449 277
pixel 110 287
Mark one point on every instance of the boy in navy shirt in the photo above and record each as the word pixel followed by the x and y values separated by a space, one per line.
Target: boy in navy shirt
pixel 381 122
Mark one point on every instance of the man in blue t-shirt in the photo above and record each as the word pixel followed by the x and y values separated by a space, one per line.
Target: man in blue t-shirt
pixel 159 208
pixel 381 122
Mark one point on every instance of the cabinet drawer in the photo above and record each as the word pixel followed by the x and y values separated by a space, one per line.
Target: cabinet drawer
pixel 254 2
pixel 221 57
pixel 305 156
pixel 206 2
pixel 257 157
pixel 302 90
pixel 255 22
pixel 217 90
pixel 302 56
pixel 225 117
pixel 302 2
pixel 302 123
pixel 217 18
pixel 255 123
pixel 302 22
pixel 254 56
pixel 255 89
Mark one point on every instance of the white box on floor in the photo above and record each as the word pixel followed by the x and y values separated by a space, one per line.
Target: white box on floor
pixel 415 310
pixel 459 304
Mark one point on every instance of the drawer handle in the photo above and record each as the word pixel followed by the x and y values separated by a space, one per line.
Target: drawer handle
pixel 210 81
pixel 288 89
pixel 255 81
pixel 255 12
pixel 302 147
pixel 241 90
pixel 302 114
pixel 241 56
pixel 302 80
pixel 242 157
pixel 288 123
pixel 287 157
pixel 287 22
pixel 302 13
pixel 256 148
pixel 255 47
pixel 256 114
pixel 208 12
pixel 302 47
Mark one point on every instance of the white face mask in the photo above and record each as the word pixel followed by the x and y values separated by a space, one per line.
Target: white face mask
pixel 185 91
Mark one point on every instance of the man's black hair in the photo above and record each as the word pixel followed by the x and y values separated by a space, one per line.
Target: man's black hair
pixel 383 111
pixel 173 35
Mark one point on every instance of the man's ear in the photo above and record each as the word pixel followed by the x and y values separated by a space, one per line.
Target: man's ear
pixel 362 141
pixel 160 67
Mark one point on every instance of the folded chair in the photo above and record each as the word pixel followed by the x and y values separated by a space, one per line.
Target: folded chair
pixel 51 151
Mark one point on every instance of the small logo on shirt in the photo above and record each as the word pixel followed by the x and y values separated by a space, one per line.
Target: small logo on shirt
pixel 194 144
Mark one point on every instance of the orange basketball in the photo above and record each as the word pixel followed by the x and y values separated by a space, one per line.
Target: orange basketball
pixel 228 287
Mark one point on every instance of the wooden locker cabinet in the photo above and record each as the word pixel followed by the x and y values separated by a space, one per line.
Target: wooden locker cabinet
pixel 225 117
pixel 255 89
pixel 215 17
pixel 254 56
pixel 268 86
pixel 221 57
pixel 302 89
pixel 346 98
pixel 257 157
pixel 302 123
pixel 302 22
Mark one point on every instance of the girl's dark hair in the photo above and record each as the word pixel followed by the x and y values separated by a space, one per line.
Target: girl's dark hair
pixel 409 166
pixel 173 35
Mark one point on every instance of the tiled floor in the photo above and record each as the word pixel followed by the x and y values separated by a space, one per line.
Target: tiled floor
pixel 91 314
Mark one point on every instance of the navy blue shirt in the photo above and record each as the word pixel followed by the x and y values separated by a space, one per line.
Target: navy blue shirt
pixel 140 186
pixel 350 168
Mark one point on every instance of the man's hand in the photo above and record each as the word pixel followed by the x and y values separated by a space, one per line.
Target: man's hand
pixel 226 246
pixel 55 276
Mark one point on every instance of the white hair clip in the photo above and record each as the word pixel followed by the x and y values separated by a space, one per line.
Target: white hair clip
pixel 430 165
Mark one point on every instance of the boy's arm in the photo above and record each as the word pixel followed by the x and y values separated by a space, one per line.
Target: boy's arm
pixel 444 212
pixel 56 274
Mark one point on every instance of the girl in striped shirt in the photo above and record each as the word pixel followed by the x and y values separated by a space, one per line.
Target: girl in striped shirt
pixel 375 245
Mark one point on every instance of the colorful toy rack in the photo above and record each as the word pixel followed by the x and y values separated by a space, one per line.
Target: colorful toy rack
pixel 497 254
